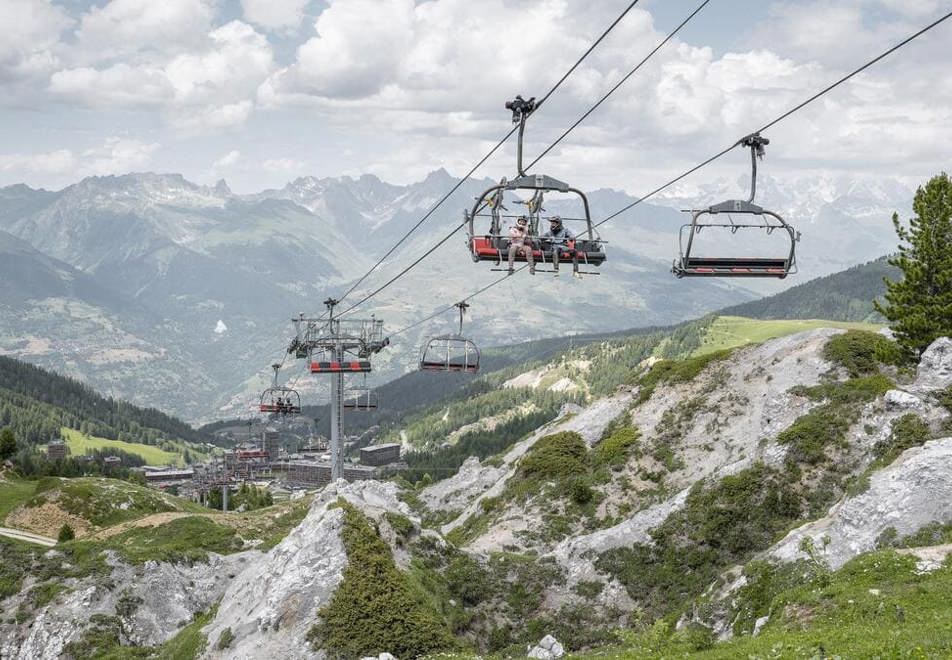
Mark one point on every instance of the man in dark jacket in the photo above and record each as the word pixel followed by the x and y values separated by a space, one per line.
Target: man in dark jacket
pixel 562 242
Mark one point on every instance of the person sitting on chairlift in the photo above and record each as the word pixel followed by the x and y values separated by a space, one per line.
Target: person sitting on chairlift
pixel 519 241
pixel 563 244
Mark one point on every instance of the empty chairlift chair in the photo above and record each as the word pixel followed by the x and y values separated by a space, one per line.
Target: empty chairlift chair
pixel 278 400
pixel 451 352
pixel 493 245
pixel 741 215
pixel 360 399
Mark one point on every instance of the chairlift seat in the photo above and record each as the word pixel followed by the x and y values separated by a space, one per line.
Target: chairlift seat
pixel 485 248
pixel 450 353
pixel 732 267
pixel 361 401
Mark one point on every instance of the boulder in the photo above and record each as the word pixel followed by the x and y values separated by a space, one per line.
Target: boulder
pixel 935 366
pixel 548 648
pixel 900 400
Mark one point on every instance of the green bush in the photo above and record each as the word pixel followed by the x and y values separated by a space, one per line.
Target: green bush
pixel 681 371
pixel 614 450
pixel 376 608
pixel 861 352
pixel 554 456
pixel 580 492
pixel 66 533
pixel 809 437
pixel 225 639
pixel 908 431
pixel 467 581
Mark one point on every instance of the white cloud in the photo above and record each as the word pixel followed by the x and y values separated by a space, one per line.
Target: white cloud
pixel 53 162
pixel 282 165
pixel 227 161
pixel 31 32
pixel 118 156
pixel 274 14
pixel 208 88
pixel 359 47
pixel 124 27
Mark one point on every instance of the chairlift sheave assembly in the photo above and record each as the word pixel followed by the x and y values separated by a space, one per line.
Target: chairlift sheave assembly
pixel 279 400
pixel 691 263
pixel 493 245
pixel 452 352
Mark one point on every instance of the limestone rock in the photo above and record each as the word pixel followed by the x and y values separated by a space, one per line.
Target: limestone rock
pixel 912 492
pixel 548 648
pixel 271 605
pixel 935 366
pixel 903 400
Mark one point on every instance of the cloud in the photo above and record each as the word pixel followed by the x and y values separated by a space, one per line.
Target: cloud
pixel 282 165
pixel 31 33
pixel 53 162
pixel 227 161
pixel 279 15
pixel 124 27
pixel 208 88
pixel 118 156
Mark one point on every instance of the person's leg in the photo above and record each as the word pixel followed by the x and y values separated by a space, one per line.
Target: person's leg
pixel 555 258
pixel 530 258
pixel 512 255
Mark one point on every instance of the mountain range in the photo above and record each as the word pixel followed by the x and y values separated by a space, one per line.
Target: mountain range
pixel 178 295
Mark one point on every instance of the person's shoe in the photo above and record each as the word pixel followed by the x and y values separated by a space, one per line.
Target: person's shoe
pixel 532 271
pixel 511 271
pixel 556 274
pixel 577 275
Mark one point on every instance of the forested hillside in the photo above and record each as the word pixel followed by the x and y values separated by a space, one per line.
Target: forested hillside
pixel 36 404
pixel 844 296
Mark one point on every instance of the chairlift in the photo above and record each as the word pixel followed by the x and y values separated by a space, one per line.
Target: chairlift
pixel 493 245
pixel 691 264
pixel 360 398
pixel 451 352
pixel 279 400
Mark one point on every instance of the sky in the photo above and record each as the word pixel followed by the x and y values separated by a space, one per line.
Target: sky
pixel 259 92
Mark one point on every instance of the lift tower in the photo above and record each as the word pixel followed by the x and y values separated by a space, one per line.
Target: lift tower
pixel 337 346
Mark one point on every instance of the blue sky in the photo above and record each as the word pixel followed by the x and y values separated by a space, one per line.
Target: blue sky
pixel 261 91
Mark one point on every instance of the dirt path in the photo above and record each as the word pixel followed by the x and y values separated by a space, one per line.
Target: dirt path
pixel 27 536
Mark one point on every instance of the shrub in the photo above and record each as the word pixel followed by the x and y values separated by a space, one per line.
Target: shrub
pixel 681 371
pixel 907 431
pixel 580 492
pixel 376 608
pixel 614 449
pixel 225 639
pixel 812 433
pixel 66 533
pixel 467 581
pixel 555 456
pixel 861 352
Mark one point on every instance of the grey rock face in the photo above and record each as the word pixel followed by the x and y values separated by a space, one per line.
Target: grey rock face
pixel 170 595
pixel 548 648
pixel 273 603
pixel 935 366
pixel 912 492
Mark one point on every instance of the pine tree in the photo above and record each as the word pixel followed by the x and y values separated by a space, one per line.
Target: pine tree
pixel 919 307
pixel 8 444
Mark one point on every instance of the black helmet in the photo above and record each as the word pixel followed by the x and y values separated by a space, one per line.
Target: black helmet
pixel 522 220
pixel 555 219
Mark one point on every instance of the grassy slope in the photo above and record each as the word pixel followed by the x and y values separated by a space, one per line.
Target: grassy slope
pixel 733 331
pixel 13 493
pixel 875 606
pixel 79 444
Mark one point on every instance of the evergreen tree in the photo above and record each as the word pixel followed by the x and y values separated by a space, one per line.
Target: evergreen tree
pixel 66 533
pixel 919 306
pixel 8 444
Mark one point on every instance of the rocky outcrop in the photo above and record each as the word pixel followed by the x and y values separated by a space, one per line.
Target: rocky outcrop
pixel 166 596
pixel 548 648
pixel 271 605
pixel 935 367
pixel 912 492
